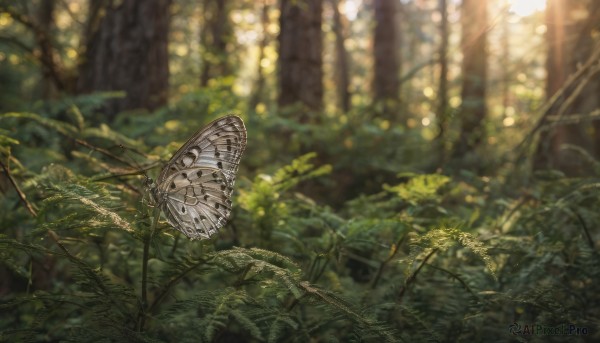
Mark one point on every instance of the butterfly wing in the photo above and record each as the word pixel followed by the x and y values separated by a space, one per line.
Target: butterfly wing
pixel 194 188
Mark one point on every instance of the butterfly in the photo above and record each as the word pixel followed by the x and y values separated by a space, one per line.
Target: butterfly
pixel 194 188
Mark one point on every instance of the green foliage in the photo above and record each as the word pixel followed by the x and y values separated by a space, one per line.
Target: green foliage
pixel 396 256
pixel 265 201
pixel 419 188
pixel 443 239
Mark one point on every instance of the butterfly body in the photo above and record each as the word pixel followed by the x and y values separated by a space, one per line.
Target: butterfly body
pixel 194 188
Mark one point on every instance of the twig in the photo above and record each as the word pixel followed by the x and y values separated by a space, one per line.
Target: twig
pixel 98 149
pixel 554 100
pixel 573 118
pixel 383 264
pixel 165 290
pixel 413 276
pixel 455 276
pixel 585 230
pixel 22 196
pixel 580 86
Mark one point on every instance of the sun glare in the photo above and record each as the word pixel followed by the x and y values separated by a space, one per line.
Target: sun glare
pixel 524 8
pixel 351 8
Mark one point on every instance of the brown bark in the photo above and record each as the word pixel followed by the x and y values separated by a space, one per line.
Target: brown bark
pixel 505 60
pixel 474 76
pixel 259 85
pixel 45 17
pixel 443 110
pixel 300 54
pixel 214 39
pixel 386 68
pixel 126 50
pixel 342 73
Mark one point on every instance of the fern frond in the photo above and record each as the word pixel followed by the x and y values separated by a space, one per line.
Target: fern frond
pixel 420 188
pixel 56 125
pixel 369 325
pixel 92 203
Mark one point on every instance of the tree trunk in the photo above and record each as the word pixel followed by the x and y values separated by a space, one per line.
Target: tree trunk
pixel 342 73
pixel 259 85
pixel 214 39
pixel 386 84
pixel 474 74
pixel 595 26
pixel 570 44
pixel 300 54
pixel 126 50
pixel 507 75
pixel 45 18
pixel 443 110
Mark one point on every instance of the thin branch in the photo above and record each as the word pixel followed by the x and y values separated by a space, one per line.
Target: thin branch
pixel 585 230
pixel 166 288
pixel 580 86
pixel 100 150
pixel 573 118
pixel 383 264
pixel 455 276
pixel 22 195
pixel 576 78
pixel 413 276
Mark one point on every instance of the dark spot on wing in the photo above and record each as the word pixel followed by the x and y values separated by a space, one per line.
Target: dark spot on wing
pixel 220 165
pixel 182 209
pixel 173 185
pixel 217 205
pixel 196 220
pixel 214 174
pixel 184 175
pixel 199 173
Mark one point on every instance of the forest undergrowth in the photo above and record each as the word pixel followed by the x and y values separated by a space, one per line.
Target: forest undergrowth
pixel 340 232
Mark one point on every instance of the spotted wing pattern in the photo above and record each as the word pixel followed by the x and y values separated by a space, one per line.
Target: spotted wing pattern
pixel 194 188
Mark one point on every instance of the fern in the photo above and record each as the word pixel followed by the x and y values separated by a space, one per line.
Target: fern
pixel 443 239
pixel 290 266
pixel 92 203
pixel 420 188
